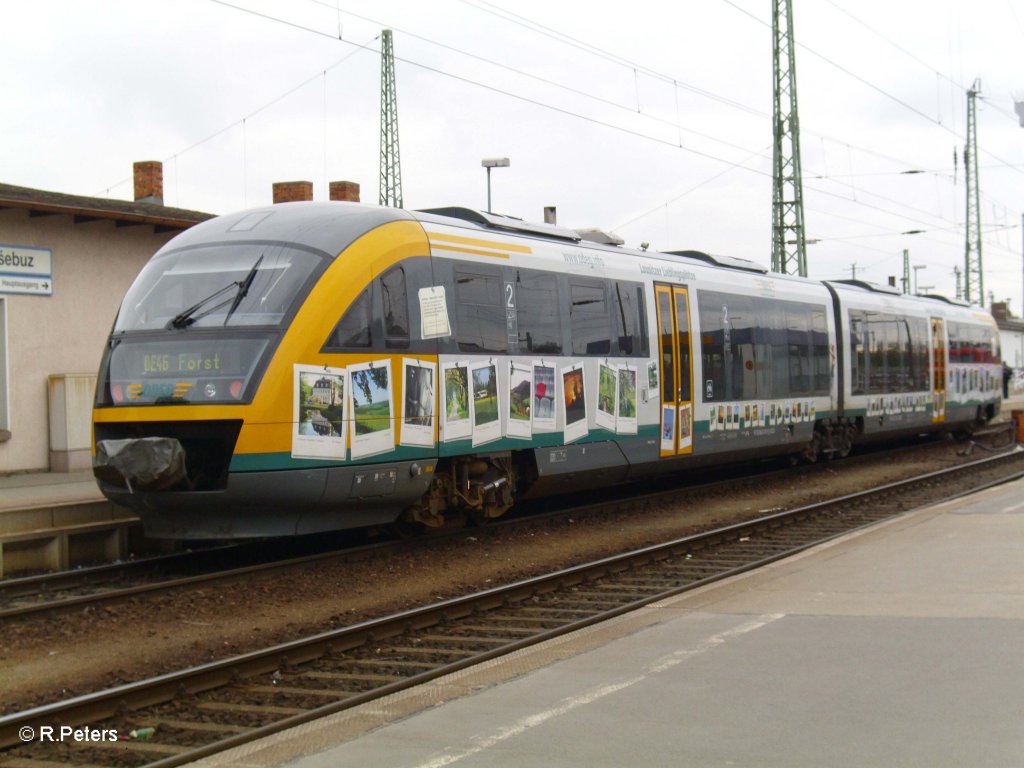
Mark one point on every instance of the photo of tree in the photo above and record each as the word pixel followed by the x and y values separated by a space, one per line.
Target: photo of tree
pixel 371 400
pixel 625 416
pixel 627 393
pixel 485 410
pixel 456 388
pixel 419 395
pixel 418 403
pixel 485 395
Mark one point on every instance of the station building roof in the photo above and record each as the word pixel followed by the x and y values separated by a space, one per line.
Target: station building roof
pixel 124 213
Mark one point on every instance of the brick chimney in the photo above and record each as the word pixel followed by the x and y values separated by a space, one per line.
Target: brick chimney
pixel 149 181
pixel 292 191
pixel 345 191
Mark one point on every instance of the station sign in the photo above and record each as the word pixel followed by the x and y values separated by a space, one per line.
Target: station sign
pixel 27 270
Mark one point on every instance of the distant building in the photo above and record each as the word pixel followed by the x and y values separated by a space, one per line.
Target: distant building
pixel 1011 335
pixel 65 263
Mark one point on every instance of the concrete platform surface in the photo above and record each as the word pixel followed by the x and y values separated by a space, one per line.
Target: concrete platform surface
pixel 37 489
pixel 902 645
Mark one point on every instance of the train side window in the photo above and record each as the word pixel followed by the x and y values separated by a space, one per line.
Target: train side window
pixel 353 330
pixel 538 312
pixel 624 319
pixel 875 329
pixel 821 359
pixel 713 311
pixel 893 355
pixel 588 317
pixel 740 323
pixel 641 310
pixel 921 342
pixel 798 339
pixel 395 308
pixel 858 353
pixel 480 310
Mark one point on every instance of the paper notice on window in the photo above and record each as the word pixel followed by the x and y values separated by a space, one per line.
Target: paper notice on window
pixel 434 313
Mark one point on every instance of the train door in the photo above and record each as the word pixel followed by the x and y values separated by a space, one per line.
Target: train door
pixel 938 370
pixel 676 369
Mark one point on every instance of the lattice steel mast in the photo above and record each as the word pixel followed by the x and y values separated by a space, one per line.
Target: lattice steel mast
pixel 789 249
pixel 974 284
pixel 390 165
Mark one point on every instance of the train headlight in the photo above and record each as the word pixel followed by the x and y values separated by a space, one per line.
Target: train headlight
pixel 235 388
pixel 210 390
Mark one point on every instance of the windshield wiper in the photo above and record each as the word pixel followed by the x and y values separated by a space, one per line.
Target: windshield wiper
pixel 243 288
pixel 188 316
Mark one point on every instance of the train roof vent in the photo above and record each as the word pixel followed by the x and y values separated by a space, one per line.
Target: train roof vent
pixel 873 287
pixel 730 262
pixel 594 235
pixel 940 297
pixel 500 221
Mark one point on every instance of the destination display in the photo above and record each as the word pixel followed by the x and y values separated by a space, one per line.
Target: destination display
pixel 184 370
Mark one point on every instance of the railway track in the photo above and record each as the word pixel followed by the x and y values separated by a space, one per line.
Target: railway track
pixel 203 710
pixel 54 592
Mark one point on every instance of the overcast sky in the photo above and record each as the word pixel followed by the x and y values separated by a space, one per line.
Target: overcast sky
pixel 647 118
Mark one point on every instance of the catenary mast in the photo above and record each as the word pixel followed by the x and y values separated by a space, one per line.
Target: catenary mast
pixel 789 249
pixel 390 165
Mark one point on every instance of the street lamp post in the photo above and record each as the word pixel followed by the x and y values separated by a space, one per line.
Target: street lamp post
pixel 488 163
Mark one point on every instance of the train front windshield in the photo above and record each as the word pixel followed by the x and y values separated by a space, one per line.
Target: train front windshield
pixel 198 324
pixel 217 286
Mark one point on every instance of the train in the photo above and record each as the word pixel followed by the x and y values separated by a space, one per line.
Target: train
pixel 309 367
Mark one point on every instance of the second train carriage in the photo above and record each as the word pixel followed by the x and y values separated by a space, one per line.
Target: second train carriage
pixel 310 366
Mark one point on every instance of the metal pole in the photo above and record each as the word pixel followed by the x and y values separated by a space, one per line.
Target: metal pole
pixel 488 189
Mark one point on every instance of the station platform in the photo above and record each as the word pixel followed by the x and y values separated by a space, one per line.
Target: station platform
pixel 57 520
pixel 899 645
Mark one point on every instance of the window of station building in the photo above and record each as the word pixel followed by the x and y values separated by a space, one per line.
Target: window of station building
pixel 395 308
pixel 538 312
pixel 480 310
pixel 589 317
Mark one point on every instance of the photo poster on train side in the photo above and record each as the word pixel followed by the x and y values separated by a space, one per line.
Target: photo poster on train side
pixel 372 397
pixel 607 396
pixel 484 403
pixel 545 396
pixel 319 412
pixel 574 395
pixel 418 398
pixel 685 426
pixel 454 383
pixel 625 408
pixel 668 427
pixel 520 400
pixel 652 380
